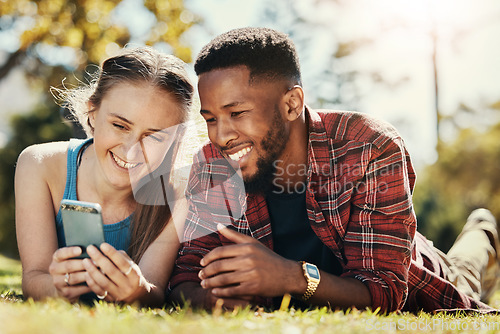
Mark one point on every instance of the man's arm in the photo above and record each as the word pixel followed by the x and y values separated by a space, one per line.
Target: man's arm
pixel 250 268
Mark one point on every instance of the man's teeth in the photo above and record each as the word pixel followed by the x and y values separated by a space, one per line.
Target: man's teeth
pixel 237 156
pixel 122 163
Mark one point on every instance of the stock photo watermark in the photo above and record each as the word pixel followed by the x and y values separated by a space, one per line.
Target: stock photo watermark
pixel 432 325
pixel 332 178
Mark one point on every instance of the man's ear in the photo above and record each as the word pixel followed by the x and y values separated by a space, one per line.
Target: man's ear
pixel 295 102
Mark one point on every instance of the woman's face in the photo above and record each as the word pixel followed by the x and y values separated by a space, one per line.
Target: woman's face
pixel 133 129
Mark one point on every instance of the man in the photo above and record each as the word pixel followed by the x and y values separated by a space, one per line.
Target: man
pixel 327 188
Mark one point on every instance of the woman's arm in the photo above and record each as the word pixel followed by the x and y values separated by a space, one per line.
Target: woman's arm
pixel 35 224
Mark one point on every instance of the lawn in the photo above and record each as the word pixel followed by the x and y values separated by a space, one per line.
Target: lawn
pixel 58 316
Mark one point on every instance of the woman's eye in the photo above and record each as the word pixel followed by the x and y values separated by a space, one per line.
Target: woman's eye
pixel 119 126
pixel 156 138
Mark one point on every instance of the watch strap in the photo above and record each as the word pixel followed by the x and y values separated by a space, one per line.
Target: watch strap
pixel 312 283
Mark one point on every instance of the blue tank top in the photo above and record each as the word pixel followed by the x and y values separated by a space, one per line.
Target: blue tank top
pixel 117 234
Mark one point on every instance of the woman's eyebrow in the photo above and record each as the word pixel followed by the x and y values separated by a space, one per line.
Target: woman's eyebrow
pixel 121 118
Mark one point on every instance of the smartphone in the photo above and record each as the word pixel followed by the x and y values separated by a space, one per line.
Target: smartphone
pixel 82 223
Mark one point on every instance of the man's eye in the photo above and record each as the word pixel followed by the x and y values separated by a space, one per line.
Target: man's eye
pixel 210 120
pixel 236 113
pixel 118 126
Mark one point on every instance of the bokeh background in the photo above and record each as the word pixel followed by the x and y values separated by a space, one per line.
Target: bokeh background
pixel 430 67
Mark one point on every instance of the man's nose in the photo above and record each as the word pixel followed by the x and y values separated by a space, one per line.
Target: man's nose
pixel 226 132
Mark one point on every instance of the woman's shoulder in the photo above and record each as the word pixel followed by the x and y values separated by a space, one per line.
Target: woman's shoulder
pixel 43 153
pixel 46 156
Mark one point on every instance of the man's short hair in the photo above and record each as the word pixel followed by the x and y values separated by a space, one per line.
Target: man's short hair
pixel 267 53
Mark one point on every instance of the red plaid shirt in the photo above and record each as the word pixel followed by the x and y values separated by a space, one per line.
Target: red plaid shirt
pixel 359 187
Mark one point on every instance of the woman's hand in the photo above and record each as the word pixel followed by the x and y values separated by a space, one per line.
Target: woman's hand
pixel 68 275
pixel 113 276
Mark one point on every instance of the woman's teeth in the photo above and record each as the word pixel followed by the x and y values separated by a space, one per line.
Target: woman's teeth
pixel 122 163
pixel 238 155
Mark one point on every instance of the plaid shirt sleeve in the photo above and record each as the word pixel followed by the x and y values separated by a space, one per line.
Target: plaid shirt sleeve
pixel 382 225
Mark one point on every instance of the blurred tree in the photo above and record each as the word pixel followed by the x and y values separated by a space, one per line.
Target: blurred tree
pixel 53 38
pixel 86 30
pixel 42 125
pixel 466 176
pixel 331 82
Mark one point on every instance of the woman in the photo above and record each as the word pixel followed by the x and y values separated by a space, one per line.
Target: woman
pixel 138 97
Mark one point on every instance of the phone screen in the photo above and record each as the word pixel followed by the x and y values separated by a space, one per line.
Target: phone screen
pixel 82 223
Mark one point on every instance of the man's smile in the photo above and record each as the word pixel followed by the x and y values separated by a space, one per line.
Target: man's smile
pixel 241 153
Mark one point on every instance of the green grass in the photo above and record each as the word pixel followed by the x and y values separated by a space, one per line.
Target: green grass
pixel 60 317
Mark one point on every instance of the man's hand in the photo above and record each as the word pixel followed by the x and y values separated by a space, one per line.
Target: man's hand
pixel 249 268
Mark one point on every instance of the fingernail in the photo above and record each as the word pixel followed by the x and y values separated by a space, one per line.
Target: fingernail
pixel 203 283
pixel 105 247
pixel 220 226
pixel 200 274
pixel 91 249
pixel 202 262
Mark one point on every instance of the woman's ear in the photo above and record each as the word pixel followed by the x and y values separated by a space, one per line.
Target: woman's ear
pixel 295 102
pixel 91 113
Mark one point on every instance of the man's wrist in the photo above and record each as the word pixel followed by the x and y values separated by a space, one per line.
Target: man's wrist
pixel 297 281
pixel 312 276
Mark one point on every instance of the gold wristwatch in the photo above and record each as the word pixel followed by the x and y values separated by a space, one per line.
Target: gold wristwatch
pixel 311 273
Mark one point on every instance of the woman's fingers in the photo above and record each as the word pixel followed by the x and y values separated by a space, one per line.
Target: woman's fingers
pixel 66 253
pixel 112 271
pixel 60 269
pixel 100 270
pixel 68 274
pixel 121 260
pixel 73 278
pixel 74 291
pixel 101 292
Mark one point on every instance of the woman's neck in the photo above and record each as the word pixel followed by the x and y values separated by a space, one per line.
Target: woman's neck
pixel 92 186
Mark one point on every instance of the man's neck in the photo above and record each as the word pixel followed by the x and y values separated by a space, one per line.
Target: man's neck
pixel 292 164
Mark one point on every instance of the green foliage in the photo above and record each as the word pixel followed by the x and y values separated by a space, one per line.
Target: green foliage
pixel 466 177
pixel 10 276
pixel 42 125
pixel 88 29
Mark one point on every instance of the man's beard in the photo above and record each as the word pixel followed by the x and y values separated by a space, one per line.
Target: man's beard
pixel 273 145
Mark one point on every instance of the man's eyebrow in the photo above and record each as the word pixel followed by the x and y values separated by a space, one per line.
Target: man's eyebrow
pixel 226 106
pixel 132 123
pixel 232 104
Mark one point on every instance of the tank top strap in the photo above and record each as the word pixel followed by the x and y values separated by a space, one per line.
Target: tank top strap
pixel 75 150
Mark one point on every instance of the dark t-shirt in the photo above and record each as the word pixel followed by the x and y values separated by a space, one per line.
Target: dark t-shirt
pixel 293 237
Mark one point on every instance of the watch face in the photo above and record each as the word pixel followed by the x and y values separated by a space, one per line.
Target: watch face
pixel 312 271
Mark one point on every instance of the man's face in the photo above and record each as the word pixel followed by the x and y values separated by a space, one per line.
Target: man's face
pixel 245 121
